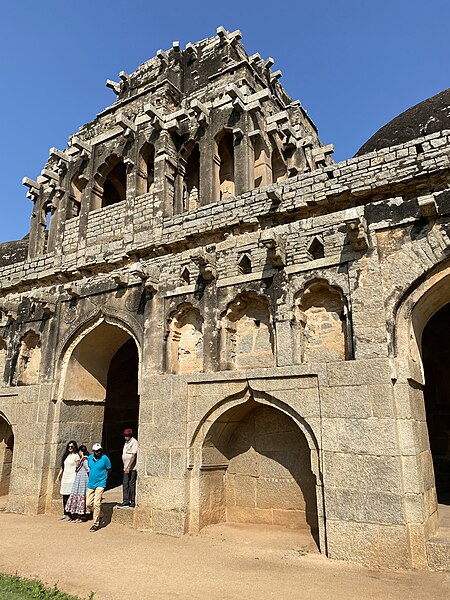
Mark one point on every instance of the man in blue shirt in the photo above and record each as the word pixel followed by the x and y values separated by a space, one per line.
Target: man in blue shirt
pixel 99 468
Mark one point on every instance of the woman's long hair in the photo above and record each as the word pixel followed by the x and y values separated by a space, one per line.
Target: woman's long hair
pixel 66 452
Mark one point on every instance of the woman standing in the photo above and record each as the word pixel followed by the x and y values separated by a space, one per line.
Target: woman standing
pixel 76 504
pixel 67 474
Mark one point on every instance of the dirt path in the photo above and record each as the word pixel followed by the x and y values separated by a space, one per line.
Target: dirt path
pixel 225 562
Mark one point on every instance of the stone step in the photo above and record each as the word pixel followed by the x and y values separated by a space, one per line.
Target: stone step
pixel 438 550
pixel 123 516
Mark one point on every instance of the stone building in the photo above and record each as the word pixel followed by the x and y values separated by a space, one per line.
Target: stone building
pixel 272 323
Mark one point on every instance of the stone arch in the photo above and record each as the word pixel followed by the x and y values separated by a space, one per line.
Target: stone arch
pixel 279 166
pixel 320 326
pixel 414 309
pixel 6 457
pixel 247 333
pixel 420 345
pixel 189 174
pixel 262 169
pixel 184 342
pixel 255 460
pixel 27 360
pixel 111 182
pixel 99 391
pixel 224 164
pixel 86 355
pixel 146 169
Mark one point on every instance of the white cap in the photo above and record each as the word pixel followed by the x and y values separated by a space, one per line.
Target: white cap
pixel 96 447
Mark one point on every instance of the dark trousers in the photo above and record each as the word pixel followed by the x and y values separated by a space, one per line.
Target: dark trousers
pixel 65 498
pixel 129 487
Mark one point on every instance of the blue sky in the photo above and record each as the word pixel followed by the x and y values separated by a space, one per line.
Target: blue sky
pixel 353 64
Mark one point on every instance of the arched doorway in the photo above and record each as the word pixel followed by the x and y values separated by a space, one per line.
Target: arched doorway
pixel 256 468
pixel 121 405
pixel 436 364
pixel 6 456
pixel 100 394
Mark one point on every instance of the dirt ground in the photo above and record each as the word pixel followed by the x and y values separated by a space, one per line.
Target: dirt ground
pixel 225 562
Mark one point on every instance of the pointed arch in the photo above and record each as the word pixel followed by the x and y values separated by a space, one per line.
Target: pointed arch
pixel 184 340
pixel 224 164
pixel 111 181
pixel 242 476
pixel 146 169
pixel 320 326
pixel 247 333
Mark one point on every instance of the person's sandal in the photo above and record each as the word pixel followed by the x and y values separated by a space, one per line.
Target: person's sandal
pixel 95 527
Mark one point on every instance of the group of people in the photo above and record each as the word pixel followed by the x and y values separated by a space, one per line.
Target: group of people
pixel 83 478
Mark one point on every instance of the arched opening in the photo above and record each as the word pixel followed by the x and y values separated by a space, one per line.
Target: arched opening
pixel 121 405
pixel 261 165
pixel 100 394
pixel 256 468
pixel 279 167
pixel 191 180
pixel 77 185
pixel 320 324
pixel 247 338
pixel 6 457
pixel 225 165
pixel 114 186
pixel 146 170
pixel 27 360
pixel 185 340
pixel 436 364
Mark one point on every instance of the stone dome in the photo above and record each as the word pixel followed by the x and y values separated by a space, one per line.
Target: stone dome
pixel 427 117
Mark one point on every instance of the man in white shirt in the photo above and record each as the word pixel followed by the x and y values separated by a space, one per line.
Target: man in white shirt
pixel 129 456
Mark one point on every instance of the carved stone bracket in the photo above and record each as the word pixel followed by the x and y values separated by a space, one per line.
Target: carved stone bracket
pixel 357 233
pixel 275 246
pixel 206 263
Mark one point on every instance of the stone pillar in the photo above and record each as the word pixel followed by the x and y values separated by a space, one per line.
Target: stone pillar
pixel 207 188
pixel 165 173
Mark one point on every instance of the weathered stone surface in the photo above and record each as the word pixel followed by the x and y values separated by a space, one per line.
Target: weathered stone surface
pixel 272 325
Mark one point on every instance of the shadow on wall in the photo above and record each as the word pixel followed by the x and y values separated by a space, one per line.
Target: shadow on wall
pixel 256 468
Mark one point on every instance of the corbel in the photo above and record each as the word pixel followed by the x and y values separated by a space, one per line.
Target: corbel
pixel 427 206
pixel 72 290
pixel 275 196
pixel 62 161
pixel 206 263
pixel 276 75
pixel 119 87
pixel 156 117
pixel 128 127
pixel 238 134
pixel 275 246
pixel 201 110
pixel 122 280
pixel 148 275
pixel 191 52
pixel 83 148
pixel 356 231
pixel 33 186
pixel 163 58
pixel 113 85
pixel 320 154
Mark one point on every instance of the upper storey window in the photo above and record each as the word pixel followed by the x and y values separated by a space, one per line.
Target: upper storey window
pixel 279 168
pixel 115 184
pixel 191 182
pixel 146 170
pixel 225 165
